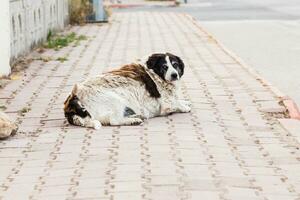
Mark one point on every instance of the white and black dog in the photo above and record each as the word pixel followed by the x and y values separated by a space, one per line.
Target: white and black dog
pixel 128 95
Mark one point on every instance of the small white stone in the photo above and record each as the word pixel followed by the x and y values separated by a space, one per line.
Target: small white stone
pixel 7 127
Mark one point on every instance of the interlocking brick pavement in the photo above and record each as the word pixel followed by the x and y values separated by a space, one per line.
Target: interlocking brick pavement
pixel 226 148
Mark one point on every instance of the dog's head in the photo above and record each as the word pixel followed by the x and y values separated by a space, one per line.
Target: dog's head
pixel 166 65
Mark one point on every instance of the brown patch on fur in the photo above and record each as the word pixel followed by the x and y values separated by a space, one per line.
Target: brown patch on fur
pixel 137 72
pixel 66 103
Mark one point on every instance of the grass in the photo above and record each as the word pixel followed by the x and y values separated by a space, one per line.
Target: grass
pixel 24 110
pixel 59 41
pixel 44 59
pixel 47 59
pixel 62 59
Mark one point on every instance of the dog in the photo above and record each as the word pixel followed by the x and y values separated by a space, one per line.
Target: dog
pixel 128 95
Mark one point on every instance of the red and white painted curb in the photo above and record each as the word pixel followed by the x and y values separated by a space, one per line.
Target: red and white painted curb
pixel 292 108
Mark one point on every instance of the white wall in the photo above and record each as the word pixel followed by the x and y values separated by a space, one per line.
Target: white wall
pixel 31 20
pixel 26 23
pixel 4 38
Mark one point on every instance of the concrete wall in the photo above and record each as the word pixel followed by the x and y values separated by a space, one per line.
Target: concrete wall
pixel 31 20
pixel 4 38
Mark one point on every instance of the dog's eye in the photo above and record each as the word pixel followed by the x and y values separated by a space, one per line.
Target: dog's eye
pixel 175 65
pixel 165 66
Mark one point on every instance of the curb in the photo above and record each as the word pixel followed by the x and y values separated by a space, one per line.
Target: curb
pixel 288 103
pixel 292 108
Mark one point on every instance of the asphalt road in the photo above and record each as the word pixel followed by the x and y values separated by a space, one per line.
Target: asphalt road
pixel 264 33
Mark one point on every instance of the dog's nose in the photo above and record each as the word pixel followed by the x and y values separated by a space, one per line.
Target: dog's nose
pixel 174 76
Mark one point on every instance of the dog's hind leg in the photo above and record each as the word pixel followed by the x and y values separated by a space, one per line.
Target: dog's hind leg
pixel 76 113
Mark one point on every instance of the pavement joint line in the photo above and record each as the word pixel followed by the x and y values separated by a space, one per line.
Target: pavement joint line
pixel 174 148
pixel 146 171
pixel 209 159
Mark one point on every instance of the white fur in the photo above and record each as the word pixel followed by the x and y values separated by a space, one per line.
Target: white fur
pixel 171 70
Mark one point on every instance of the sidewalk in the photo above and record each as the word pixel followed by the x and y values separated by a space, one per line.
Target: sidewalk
pixel 228 147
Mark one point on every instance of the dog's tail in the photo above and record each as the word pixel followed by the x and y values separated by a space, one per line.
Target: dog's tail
pixel 76 113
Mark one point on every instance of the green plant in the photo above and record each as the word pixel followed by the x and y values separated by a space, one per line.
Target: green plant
pixel 49 35
pixel 44 59
pixel 59 41
pixel 62 59
pixel 81 37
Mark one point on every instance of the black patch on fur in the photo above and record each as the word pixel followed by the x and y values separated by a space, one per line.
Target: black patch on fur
pixel 128 112
pixel 157 63
pixel 150 85
pixel 73 107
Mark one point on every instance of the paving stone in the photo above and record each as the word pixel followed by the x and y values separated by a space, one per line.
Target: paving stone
pixel 228 147
pixel 211 195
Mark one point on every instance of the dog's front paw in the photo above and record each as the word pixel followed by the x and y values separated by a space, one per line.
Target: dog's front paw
pixel 185 102
pixel 96 125
pixel 184 106
pixel 185 109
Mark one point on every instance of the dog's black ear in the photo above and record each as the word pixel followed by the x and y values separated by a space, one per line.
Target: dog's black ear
pixel 152 60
